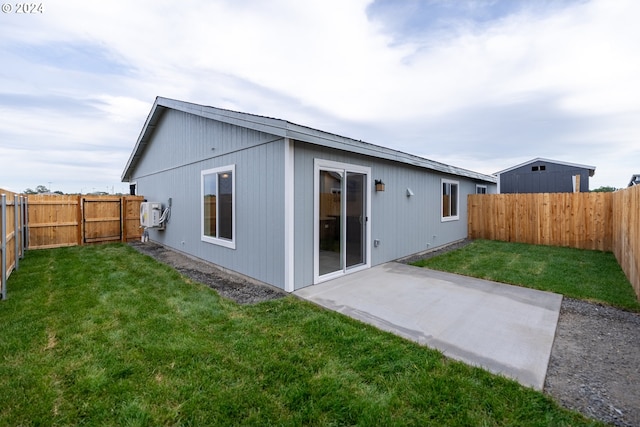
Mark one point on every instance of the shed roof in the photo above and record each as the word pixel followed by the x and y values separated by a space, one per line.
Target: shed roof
pixel 592 169
pixel 284 129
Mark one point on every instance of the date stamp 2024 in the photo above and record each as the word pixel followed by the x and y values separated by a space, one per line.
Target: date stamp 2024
pixel 22 8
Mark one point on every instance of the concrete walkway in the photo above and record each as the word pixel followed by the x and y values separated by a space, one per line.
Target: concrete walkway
pixel 505 329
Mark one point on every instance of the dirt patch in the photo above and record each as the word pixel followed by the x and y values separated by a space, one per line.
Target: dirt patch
pixel 228 285
pixel 594 366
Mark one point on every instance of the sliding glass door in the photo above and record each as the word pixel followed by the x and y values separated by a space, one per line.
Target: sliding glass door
pixel 341 237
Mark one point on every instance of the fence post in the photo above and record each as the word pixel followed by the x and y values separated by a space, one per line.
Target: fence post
pixel 16 225
pixel 123 218
pixel 80 220
pixel 3 230
pixel 25 221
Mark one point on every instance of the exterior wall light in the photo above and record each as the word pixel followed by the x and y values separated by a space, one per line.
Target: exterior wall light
pixel 379 185
pixel 409 192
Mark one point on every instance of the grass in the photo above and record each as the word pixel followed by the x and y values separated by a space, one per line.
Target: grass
pixel 593 276
pixel 103 335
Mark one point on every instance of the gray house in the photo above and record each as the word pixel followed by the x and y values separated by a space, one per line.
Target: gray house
pixel 544 176
pixel 288 205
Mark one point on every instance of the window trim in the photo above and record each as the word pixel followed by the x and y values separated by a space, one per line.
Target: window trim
pixel 486 190
pixel 450 217
pixel 227 243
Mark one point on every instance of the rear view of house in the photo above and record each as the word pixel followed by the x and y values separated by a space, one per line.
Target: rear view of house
pixel 288 205
pixel 545 176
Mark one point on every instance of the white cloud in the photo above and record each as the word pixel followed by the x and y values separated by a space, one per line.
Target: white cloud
pixel 563 82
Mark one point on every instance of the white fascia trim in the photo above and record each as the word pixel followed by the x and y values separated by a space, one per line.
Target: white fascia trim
pixel 289 216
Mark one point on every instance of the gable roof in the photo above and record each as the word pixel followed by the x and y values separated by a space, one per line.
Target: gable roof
pixel 592 169
pixel 284 129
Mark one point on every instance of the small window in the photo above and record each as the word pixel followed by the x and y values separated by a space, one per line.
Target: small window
pixel 218 206
pixel 534 168
pixel 481 189
pixel 449 200
pixel 543 167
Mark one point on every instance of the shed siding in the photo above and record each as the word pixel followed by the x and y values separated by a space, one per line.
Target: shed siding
pixel 556 178
pixel 404 225
pixel 171 167
pixel 181 139
pixel 183 145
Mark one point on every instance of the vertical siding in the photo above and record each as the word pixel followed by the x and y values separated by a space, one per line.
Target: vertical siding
pixel 181 138
pixel 555 178
pixel 404 225
pixel 181 148
pixel 303 215
pixel 183 145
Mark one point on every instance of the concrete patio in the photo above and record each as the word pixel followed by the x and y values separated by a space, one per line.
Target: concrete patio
pixel 505 329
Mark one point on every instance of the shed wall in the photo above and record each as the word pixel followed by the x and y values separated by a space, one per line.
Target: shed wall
pixel 403 225
pixel 180 149
pixel 183 145
pixel 182 139
pixel 556 178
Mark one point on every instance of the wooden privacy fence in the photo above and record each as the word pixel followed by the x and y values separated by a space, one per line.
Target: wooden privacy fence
pixel 577 220
pixel 598 221
pixel 12 235
pixel 626 233
pixel 70 220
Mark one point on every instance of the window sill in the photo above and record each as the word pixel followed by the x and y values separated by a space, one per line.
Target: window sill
pixel 219 242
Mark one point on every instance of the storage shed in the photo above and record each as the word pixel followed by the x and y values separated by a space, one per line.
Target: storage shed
pixel 288 205
pixel 545 176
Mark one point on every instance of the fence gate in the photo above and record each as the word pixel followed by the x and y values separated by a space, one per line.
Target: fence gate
pixel 101 220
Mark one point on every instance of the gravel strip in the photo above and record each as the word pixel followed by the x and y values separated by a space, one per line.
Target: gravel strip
pixel 228 285
pixel 594 366
pixel 595 362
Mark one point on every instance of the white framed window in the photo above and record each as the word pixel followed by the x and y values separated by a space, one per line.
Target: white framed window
pixel 218 206
pixel 449 201
pixel 481 189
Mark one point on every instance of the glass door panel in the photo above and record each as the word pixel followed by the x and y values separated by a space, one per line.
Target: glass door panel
pixel 355 219
pixel 330 224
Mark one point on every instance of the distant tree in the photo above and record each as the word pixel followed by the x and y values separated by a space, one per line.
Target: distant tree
pixel 604 189
pixel 40 189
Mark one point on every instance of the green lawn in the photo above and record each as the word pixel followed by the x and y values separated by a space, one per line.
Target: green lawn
pixel 588 275
pixel 103 335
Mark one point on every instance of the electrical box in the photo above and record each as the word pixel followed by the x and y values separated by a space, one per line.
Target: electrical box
pixel 150 213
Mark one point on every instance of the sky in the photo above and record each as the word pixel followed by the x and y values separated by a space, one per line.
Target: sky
pixel 482 85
